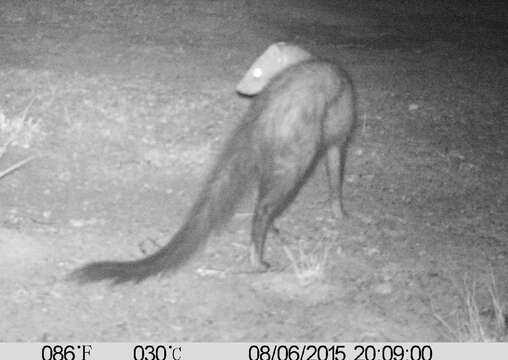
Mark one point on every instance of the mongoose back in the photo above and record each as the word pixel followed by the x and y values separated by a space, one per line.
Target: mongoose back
pixel 305 112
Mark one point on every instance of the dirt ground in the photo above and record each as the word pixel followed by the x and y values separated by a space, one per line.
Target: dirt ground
pixel 125 103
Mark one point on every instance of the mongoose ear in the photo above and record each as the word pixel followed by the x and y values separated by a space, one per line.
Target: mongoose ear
pixel 277 47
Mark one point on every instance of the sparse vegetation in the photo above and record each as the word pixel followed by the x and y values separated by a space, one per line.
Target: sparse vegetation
pixel 308 265
pixel 476 320
pixel 17 131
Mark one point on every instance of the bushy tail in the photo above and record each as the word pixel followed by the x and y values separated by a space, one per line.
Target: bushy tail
pixel 234 171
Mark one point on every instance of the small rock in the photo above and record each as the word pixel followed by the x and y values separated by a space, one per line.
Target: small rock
pixel 383 289
pixel 78 223
pixel 371 251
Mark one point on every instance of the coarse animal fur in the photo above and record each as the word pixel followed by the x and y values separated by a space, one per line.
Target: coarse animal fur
pixel 305 112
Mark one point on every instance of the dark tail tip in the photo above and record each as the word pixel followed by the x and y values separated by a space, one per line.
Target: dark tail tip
pixel 108 270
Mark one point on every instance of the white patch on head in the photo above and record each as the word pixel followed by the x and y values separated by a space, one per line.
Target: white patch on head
pixel 276 58
pixel 257 73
